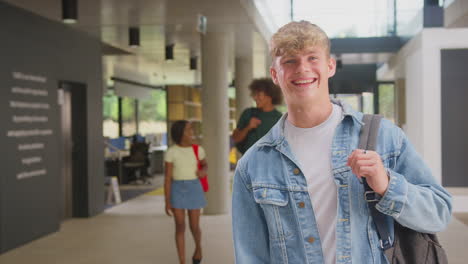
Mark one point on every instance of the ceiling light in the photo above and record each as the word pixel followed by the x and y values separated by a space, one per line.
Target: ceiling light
pixel 193 63
pixel 134 37
pixel 69 11
pixel 170 51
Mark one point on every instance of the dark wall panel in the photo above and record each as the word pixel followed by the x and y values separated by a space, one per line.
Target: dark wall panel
pixel 454 121
pixel 354 79
pixel 44 52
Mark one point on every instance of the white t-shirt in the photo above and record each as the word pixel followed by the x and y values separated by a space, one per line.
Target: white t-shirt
pixel 184 161
pixel 312 148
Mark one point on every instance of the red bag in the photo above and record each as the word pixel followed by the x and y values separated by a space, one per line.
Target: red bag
pixel 203 180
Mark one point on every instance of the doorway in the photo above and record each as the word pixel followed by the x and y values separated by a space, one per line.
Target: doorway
pixel 67 187
pixel 454 126
pixel 74 166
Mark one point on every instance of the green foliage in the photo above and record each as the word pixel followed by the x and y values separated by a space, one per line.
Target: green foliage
pixel 110 104
pixel 387 101
pixel 128 109
pixel 153 108
pixel 368 103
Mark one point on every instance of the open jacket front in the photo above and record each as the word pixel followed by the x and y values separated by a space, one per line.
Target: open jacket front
pixel 273 219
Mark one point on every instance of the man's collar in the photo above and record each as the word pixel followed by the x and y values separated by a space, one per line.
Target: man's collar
pixel 276 135
pixel 348 110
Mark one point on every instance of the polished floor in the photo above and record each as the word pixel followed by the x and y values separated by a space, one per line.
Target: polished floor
pixel 138 231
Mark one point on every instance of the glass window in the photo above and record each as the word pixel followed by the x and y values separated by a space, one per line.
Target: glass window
pixel 110 104
pixel 387 101
pixel 341 19
pixel 368 103
pixel 409 17
pixel 129 126
pixel 152 113
pixel 276 13
pixel 354 100
pixel 152 116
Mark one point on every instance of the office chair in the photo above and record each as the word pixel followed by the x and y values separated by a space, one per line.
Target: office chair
pixel 136 165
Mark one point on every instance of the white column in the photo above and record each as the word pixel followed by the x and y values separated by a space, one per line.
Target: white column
pixel 244 69
pixel 267 62
pixel 244 75
pixel 216 119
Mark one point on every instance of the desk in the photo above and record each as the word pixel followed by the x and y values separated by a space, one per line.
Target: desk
pixel 157 159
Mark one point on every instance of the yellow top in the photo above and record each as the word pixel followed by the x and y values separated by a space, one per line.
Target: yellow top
pixel 184 161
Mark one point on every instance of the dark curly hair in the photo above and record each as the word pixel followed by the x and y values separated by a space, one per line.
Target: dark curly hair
pixel 270 89
pixel 177 130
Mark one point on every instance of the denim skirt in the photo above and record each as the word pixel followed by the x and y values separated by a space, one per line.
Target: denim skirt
pixel 187 194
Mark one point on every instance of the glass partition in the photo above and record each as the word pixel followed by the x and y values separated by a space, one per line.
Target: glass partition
pixel 129 123
pixel 110 104
pixel 152 115
pixel 345 19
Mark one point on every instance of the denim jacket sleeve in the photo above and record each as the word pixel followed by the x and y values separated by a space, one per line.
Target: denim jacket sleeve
pixel 250 231
pixel 414 198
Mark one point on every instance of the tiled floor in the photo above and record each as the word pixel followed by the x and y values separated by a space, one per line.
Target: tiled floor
pixel 139 232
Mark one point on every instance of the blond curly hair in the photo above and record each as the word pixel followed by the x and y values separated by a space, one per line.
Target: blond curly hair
pixel 295 37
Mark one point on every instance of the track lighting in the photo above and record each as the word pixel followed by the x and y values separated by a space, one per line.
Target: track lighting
pixel 69 11
pixel 193 63
pixel 170 51
pixel 134 37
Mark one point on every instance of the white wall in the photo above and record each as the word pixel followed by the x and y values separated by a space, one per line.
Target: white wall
pixel 456 14
pixel 414 99
pixel 419 62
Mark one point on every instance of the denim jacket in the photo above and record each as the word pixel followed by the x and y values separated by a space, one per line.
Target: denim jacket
pixel 273 219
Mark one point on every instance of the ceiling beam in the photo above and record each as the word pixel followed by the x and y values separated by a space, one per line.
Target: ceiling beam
pixel 366 45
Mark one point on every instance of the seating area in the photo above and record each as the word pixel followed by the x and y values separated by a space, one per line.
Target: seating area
pixel 129 159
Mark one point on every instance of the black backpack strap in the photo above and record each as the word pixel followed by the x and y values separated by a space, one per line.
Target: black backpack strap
pixel 368 141
pixel 369 132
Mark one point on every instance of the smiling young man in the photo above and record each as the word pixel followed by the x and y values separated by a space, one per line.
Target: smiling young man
pixel 297 193
pixel 255 122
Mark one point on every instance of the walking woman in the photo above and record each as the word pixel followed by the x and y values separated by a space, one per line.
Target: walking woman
pixel 182 188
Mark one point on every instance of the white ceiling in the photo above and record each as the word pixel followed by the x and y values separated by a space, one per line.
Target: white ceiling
pixel 171 20
pixel 158 20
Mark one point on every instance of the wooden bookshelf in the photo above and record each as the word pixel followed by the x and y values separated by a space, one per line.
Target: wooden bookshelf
pixel 184 102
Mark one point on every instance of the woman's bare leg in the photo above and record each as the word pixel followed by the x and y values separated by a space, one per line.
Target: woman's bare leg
pixel 194 220
pixel 179 217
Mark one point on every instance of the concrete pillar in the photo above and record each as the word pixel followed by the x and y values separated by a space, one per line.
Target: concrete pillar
pixel 215 113
pixel 267 62
pixel 244 75
pixel 244 69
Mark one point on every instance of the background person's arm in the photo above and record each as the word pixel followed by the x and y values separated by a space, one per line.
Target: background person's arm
pixel 240 134
pixel 204 170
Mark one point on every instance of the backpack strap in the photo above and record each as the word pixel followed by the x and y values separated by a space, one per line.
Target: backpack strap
pixel 195 150
pixel 369 132
pixel 368 141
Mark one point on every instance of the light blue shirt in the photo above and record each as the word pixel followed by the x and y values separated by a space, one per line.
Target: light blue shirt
pixel 273 219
